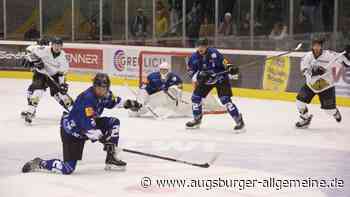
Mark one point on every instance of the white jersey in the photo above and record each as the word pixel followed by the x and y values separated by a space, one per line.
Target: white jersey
pixel 52 65
pixel 327 60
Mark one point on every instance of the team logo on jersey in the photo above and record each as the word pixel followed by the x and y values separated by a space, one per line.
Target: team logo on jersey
pixel 118 57
pixel 89 111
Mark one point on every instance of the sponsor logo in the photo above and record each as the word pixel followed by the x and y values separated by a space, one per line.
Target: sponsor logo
pixel 342 73
pixel 118 60
pixel 153 61
pixel 121 60
pixel 84 58
pixel 10 55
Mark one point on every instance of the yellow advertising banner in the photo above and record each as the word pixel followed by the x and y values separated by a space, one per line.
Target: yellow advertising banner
pixel 276 74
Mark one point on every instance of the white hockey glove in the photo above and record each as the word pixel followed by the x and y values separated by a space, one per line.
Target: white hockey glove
pixel 94 134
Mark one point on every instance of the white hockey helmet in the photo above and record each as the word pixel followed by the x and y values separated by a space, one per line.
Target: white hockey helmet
pixel 164 69
pixel 164 65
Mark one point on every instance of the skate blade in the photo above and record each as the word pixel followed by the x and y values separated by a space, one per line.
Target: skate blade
pixel 109 167
pixel 239 131
pixel 193 128
pixel 27 123
pixel 303 127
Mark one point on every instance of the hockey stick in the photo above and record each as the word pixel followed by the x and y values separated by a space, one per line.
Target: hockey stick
pixel 44 72
pixel 201 165
pixel 265 59
pixel 252 63
pixel 148 107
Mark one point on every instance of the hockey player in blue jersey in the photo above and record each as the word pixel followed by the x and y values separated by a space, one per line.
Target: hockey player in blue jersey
pixel 84 122
pixel 160 81
pixel 207 69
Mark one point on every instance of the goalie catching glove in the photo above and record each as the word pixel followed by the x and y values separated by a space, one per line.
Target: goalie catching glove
pixel 133 105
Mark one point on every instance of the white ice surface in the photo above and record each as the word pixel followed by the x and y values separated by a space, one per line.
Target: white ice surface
pixel 271 147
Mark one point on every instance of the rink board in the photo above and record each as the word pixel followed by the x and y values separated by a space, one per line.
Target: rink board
pixel 240 92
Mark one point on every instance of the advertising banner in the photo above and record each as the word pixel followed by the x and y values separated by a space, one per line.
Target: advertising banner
pixel 342 81
pixel 123 62
pixel 11 56
pixel 276 74
pixel 85 58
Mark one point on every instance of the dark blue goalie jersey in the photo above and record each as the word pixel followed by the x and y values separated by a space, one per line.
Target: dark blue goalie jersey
pixel 155 83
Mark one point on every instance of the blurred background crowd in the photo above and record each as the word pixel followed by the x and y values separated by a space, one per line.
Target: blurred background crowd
pixel 233 24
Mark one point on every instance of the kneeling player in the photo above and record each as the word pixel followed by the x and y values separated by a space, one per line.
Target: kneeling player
pixel 162 81
pixel 49 65
pixel 316 66
pixel 83 123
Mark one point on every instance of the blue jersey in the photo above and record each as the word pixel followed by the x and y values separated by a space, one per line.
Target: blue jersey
pixel 87 107
pixel 155 83
pixel 212 62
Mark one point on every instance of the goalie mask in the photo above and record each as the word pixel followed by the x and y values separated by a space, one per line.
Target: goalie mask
pixel 164 70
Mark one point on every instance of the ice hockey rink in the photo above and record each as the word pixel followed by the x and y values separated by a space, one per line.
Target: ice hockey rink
pixel 271 147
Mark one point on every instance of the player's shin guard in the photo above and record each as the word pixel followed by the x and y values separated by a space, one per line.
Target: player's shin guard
pixel 305 117
pixel 335 113
pixel 64 100
pixel 56 165
pixel 197 112
pixel 233 111
pixel 33 98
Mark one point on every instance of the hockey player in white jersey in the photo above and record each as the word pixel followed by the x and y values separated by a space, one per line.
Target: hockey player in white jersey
pixel 49 66
pixel 317 66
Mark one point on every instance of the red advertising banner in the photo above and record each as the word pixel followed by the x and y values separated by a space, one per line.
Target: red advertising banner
pixel 85 58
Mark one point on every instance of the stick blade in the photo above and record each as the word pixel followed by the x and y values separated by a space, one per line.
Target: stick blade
pixel 204 165
pixel 298 46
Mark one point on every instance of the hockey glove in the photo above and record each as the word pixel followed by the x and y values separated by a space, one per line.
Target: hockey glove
pixel 63 88
pixel 94 134
pixel 232 69
pixel 204 76
pixel 39 64
pixel 26 63
pixel 317 70
pixel 133 105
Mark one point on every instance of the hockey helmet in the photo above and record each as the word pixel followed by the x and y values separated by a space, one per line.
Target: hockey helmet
pixel 101 80
pixel 43 42
pixel 57 40
pixel 203 42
